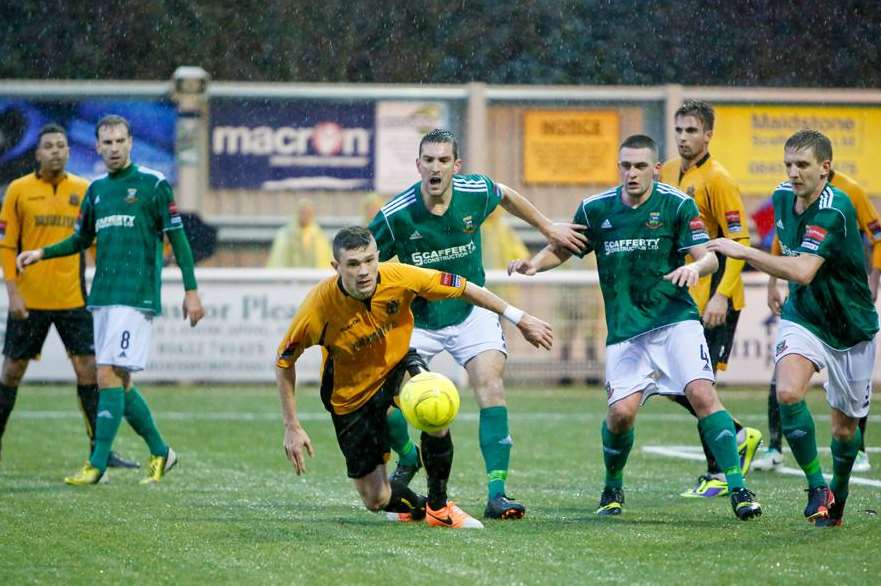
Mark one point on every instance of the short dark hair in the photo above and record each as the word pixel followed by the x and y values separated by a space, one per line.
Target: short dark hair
pixel 640 141
pixel 811 139
pixel 51 128
pixel 440 136
pixel 700 110
pixel 351 238
pixel 112 120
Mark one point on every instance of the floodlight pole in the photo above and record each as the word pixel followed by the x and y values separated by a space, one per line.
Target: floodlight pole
pixel 190 93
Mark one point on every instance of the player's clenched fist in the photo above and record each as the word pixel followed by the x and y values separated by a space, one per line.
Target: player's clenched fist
pixel 28 257
pixel 524 267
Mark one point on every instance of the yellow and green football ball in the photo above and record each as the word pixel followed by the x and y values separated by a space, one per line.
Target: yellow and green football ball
pixel 429 401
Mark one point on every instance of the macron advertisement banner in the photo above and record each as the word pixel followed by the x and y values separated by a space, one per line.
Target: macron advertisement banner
pixel 291 145
pixel 153 127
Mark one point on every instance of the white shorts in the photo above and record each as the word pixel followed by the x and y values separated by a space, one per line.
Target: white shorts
pixel 662 361
pixel 848 372
pixel 481 331
pixel 122 336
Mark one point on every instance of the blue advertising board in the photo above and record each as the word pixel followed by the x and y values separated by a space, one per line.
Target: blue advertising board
pixel 153 127
pixel 291 145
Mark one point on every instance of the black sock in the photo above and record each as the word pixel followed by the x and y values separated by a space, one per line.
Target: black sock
pixel 88 397
pixel 712 465
pixel 775 430
pixel 403 500
pixel 683 401
pixel 7 402
pixel 437 454
pixel 862 425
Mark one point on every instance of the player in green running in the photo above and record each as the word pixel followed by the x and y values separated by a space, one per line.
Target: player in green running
pixel 436 224
pixel 641 232
pixel 127 211
pixel 829 320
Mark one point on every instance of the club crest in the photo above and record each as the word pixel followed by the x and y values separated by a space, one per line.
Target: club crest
pixel 468 224
pixel 654 222
pixel 132 196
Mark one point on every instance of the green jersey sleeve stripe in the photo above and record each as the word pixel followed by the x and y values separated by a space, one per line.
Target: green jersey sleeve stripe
pixel 148 171
pixel 826 203
pixel 400 202
pixel 399 207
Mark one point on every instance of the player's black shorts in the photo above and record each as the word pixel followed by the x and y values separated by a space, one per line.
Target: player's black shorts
pixel 720 340
pixel 25 337
pixel 363 434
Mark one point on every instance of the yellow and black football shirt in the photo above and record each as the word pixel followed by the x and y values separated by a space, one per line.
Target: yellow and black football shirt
pixel 364 339
pixel 37 213
pixel 867 216
pixel 721 207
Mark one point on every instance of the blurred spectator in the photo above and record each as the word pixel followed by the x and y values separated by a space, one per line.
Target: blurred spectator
pixel 764 221
pixel 301 243
pixel 501 245
pixel 370 206
pixel 201 236
pixel 500 242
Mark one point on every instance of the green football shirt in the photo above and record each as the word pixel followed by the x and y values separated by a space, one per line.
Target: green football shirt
pixel 837 305
pixel 635 248
pixel 128 212
pixel 449 242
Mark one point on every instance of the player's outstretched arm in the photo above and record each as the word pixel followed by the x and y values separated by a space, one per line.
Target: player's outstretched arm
pixel 548 258
pixel 535 331
pixel 705 263
pixel 561 234
pixel 70 245
pixel 799 269
pixel 296 441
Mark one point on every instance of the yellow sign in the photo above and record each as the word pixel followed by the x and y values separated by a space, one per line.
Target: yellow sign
pixel 570 147
pixel 748 141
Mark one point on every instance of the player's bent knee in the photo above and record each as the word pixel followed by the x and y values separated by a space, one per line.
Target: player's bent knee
pixel 13 371
pixel 788 395
pixel 620 417
pixel 490 395
pixel 85 370
pixel 376 499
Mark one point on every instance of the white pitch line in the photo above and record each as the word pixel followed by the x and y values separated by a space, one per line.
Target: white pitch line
pixel 695 453
pixel 322 415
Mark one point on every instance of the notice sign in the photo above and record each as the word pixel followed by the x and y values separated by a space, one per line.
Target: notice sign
pixel 749 141
pixel 570 147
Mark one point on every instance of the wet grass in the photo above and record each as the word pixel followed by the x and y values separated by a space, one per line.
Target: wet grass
pixel 234 512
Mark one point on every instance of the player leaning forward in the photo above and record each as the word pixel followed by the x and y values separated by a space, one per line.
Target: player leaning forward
pixel 127 211
pixel 641 232
pixel 829 320
pixel 362 318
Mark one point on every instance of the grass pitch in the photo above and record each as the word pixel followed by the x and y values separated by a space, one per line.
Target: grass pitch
pixel 234 512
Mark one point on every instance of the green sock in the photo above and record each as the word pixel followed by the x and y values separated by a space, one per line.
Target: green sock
pixel 616 449
pixel 111 404
pixel 718 431
pixel 798 427
pixel 399 438
pixel 495 444
pixel 138 414
pixel 843 455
